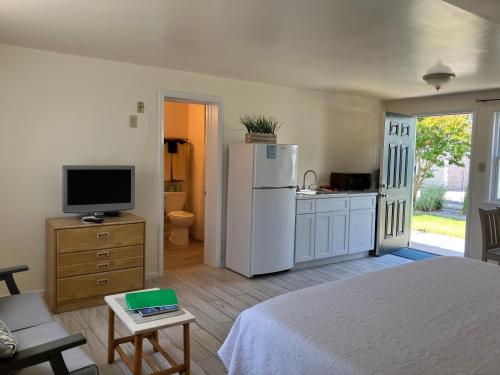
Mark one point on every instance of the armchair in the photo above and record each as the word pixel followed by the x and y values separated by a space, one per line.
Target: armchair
pixel 41 340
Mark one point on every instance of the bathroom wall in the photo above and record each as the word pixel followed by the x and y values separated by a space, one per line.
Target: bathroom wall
pixel 196 189
pixel 177 114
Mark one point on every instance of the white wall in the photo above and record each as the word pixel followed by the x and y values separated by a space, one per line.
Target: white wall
pixel 481 147
pixel 60 109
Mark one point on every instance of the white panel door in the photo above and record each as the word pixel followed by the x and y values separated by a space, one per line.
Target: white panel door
pixel 304 237
pixel 275 165
pixel 273 227
pixel 340 233
pixel 361 230
pixel 213 192
pixel 323 241
pixel 396 183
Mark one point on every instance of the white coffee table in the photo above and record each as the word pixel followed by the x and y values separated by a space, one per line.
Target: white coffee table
pixel 146 330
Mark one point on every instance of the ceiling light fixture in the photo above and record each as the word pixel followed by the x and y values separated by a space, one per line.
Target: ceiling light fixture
pixel 437 80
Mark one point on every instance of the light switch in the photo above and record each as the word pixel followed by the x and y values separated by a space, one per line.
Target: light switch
pixel 481 167
pixel 132 121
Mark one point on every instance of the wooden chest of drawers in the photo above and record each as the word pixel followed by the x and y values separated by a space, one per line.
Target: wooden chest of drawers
pixel 85 262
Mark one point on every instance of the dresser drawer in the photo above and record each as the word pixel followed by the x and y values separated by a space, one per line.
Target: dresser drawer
pixel 363 203
pixel 96 267
pixel 102 255
pixel 77 287
pixel 332 204
pixel 306 206
pixel 71 240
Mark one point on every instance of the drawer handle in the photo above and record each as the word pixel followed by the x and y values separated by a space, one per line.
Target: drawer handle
pixel 102 281
pixel 102 254
pixel 102 235
pixel 102 266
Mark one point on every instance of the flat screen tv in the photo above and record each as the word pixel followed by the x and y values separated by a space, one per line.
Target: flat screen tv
pixel 98 189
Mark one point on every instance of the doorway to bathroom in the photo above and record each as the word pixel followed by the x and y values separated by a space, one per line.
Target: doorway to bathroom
pixel 184 183
pixel 191 174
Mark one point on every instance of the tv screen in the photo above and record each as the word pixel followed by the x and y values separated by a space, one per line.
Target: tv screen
pixel 96 189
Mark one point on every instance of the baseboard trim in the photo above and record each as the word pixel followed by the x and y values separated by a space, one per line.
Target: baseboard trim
pixel 152 275
pixel 40 291
pixel 196 236
pixel 335 259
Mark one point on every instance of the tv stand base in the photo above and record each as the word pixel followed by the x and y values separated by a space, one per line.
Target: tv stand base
pixel 92 219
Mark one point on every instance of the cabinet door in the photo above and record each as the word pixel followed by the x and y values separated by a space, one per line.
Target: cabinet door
pixel 323 236
pixel 306 206
pixel 361 230
pixel 340 232
pixel 332 204
pixel 304 237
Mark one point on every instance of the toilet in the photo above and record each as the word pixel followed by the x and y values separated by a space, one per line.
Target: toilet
pixel 180 220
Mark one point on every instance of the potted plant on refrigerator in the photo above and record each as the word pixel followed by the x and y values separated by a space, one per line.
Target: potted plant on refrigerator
pixel 260 129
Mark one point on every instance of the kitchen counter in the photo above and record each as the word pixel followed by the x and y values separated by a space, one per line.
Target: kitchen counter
pixel 336 194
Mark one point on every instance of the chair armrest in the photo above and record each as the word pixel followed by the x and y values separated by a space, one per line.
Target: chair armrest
pixel 50 351
pixel 11 270
pixel 6 274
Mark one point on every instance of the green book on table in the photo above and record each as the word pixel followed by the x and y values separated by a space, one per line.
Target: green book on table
pixel 151 298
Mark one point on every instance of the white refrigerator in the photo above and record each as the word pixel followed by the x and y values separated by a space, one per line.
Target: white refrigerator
pixel 260 229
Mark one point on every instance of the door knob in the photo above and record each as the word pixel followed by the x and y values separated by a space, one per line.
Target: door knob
pixel 383 195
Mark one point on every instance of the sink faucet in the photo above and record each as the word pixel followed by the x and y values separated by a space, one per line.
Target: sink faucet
pixel 304 180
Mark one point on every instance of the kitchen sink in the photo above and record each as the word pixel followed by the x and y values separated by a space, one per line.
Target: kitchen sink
pixel 319 192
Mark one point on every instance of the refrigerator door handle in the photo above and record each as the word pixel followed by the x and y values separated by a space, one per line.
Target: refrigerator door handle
pixel 275 188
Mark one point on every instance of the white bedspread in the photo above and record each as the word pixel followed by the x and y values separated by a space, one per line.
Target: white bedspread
pixel 437 316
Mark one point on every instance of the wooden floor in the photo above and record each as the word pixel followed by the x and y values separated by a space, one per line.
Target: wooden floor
pixel 215 296
pixel 176 257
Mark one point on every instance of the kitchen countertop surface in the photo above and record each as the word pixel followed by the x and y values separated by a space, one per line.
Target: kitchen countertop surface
pixel 336 194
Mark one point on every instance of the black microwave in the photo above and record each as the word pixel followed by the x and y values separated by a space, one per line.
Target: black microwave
pixel 350 181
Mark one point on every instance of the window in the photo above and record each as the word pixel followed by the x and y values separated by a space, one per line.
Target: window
pixel 495 161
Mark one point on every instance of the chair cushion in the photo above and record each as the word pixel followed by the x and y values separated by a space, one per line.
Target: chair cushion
pixel 77 361
pixel 8 342
pixel 23 311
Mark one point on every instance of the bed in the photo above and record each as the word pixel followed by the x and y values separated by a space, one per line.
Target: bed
pixel 437 316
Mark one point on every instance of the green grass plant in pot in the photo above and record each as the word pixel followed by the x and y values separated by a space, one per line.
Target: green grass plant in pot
pixel 260 128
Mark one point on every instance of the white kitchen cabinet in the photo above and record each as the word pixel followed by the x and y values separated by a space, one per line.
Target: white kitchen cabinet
pixel 340 233
pixel 323 240
pixel 332 231
pixel 332 204
pixel 361 230
pixel 327 227
pixel 306 206
pixel 363 202
pixel 304 237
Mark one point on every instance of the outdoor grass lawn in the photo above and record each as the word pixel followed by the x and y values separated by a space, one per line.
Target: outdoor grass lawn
pixel 427 222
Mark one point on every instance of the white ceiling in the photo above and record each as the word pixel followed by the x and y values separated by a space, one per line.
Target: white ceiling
pixel 489 9
pixel 369 47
